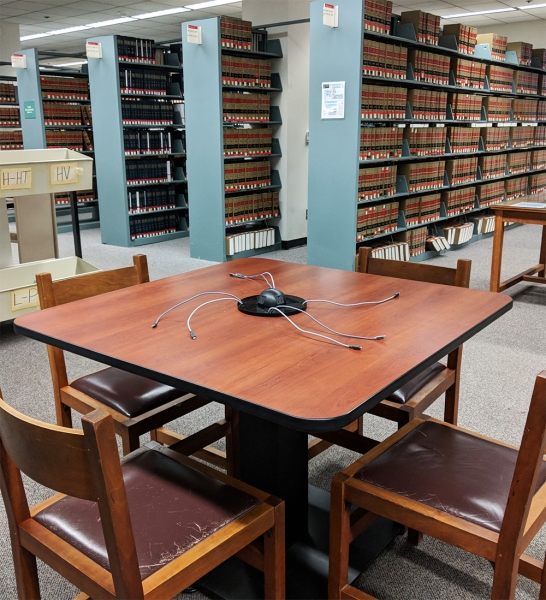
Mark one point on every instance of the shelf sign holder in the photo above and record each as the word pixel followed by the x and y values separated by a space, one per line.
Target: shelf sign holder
pixel 93 49
pixel 194 35
pixel 329 15
pixel 19 61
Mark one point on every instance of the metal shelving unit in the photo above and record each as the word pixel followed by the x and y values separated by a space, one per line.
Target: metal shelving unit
pixel 205 127
pixel 118 226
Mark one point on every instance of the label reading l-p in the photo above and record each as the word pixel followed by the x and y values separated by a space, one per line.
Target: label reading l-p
pixel 194 34
pixel 24 298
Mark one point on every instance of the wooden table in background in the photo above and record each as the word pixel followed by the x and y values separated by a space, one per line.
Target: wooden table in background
pixel 284 383
pixel 509 213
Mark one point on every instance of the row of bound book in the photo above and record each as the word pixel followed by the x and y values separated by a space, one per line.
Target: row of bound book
pixel 66 114
pixel 423 209
pixel 75 140
pixel 155 170
pixel 459 234
pixel 249 240
pixel 251 207
pixel 464 35
pixel 137 50
pixel 516 162
pixel 240 176
pixel 152 226
pixel 537 183
pixel 151 199
pixel 235 33
pixel 377 16
pixel 516 188
pixel 140 111
pixel 393 251
pixel 11 140
pixel 425 25
pixel 71 88
pixel 7 93
pixel 63 198
pixel 244 107
pixel 437 243
pixel 139 142
pixel 491 193
pixel 142 81
pixel 384 60
pixel 251 72
pixel 485 224
pixel 247 142
pixel 376 220
pixel 469 73
pixel 495 166
pixel 9 117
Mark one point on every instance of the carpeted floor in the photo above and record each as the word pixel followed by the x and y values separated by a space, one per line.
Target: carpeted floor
pixel 499 367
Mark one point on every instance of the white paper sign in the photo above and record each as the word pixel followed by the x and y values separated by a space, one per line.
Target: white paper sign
pixel 329 15
pixel 194 35
pixel 93 50
pixel 333 100
pixel 19 61
pixel 64 173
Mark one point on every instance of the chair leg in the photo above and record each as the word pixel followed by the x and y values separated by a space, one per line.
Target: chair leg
pixel 451 409
pixel 232 443
pixel 340 534
pixel 414 537
pixel 26 572
pixel 153 435
pixel 129 441
pixel 360 425
pixel 274 558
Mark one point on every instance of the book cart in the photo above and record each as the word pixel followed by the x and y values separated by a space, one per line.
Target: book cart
pixel 55 112
pixel 139 141
pixel 224 209
pixel 503 156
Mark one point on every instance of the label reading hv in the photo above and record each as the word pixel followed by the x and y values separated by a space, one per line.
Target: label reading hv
pixel 29 109
pixel 16 179
pixel 329 15
pixel 24 298
pixel 194 34
pixel 64 173
pixel 93 50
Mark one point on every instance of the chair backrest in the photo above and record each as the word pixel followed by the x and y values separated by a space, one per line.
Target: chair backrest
pixel 522 490
pixel 459 277
pixel 53 293
pixel 85 465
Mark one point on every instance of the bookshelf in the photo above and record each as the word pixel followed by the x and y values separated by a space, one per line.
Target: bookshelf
pixel 55 113
pixel 221 203
pixel 11 137
pixel 502 120
pixel 139 142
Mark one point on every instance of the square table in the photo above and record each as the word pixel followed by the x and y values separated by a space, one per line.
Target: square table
pixel 510 212
pixel 284 382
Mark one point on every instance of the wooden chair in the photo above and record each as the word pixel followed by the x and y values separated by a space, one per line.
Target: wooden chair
pixel 470 491
pixel 137 405
pixel 146 528
pixel 413 398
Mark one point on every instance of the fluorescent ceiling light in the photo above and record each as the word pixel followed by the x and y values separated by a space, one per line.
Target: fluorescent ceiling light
pixel 210 3
pixel 34 36
pixel 70 64
pixel 531 6
pixel 68 30
pixel 479 12
pixel 110 22
pixel 162 13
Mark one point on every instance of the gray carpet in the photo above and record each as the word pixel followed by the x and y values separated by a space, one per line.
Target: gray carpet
pixel 499 367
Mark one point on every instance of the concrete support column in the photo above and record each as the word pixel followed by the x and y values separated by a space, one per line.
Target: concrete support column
pixel 9 43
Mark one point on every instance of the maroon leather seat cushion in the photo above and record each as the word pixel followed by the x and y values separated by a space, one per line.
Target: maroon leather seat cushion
pixel 409 389
pixel 172 508
pixel 131 395
pixel 449 470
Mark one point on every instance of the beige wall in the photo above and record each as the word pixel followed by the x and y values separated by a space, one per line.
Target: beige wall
pixel 293 103
pixel 533 32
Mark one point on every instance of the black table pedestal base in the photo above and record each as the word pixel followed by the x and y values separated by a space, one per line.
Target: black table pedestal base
pixel 306 561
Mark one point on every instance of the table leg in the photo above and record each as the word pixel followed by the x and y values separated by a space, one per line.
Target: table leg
pixel 498 238
pixel 542 259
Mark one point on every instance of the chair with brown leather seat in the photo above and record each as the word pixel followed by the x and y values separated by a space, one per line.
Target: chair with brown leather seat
pixel 137 405
pixel 467 490
pixel 148 527
pixel 414 397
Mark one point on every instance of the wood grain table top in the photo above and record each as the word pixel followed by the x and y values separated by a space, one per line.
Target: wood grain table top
pixel 511 205
pixel 264 366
